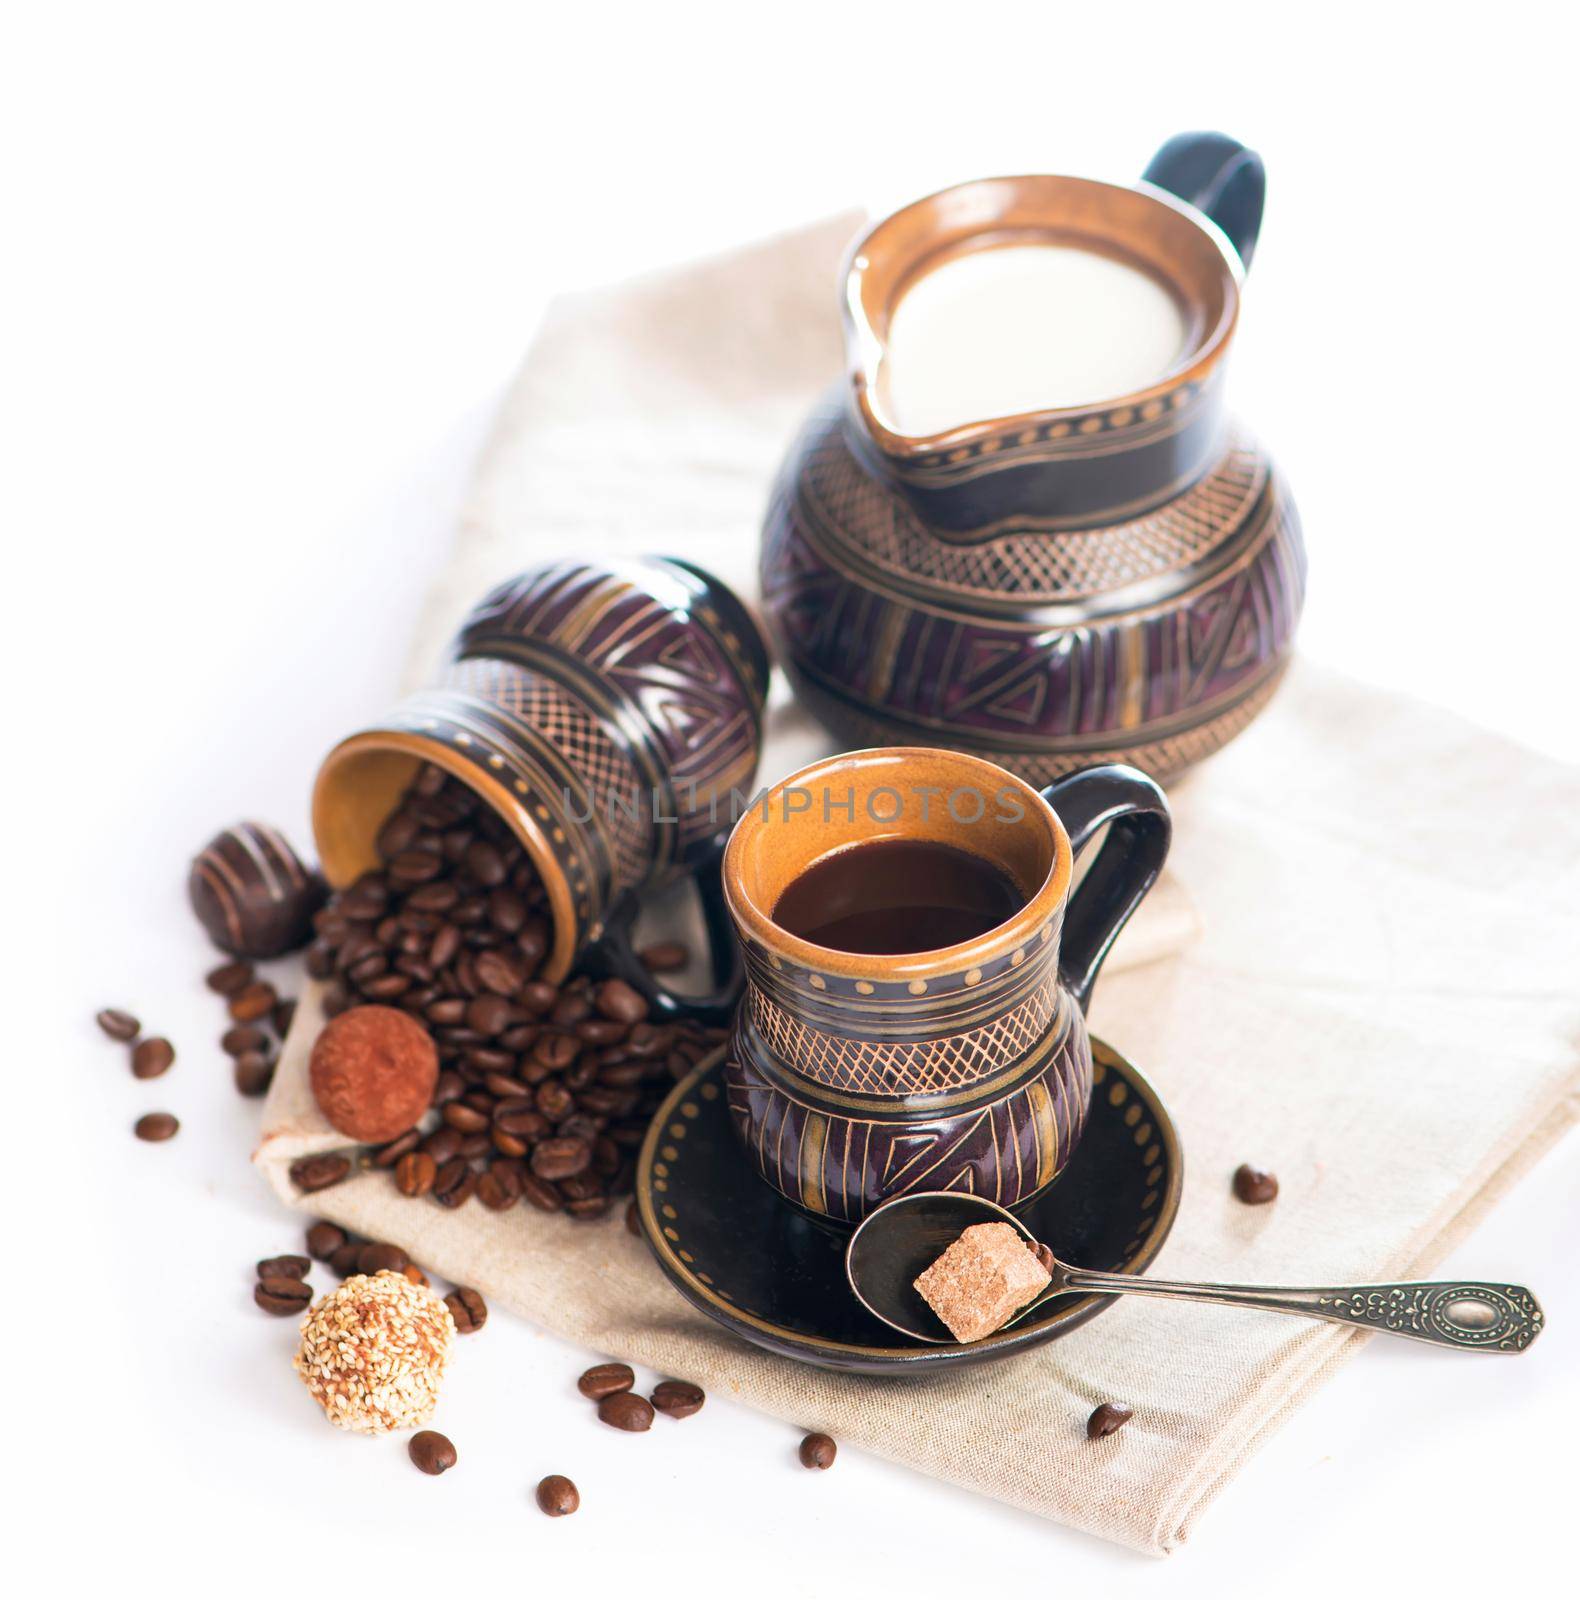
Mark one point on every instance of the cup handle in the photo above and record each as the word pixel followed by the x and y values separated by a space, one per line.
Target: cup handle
pixel 1132 856
pixel 1220 177
pixel 614 955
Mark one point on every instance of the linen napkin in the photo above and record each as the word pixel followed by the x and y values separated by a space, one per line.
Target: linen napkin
pixel 1370 986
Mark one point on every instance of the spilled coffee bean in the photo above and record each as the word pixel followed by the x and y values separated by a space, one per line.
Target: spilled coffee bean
pixel 252 1074
pixel 1108 1418
pixel 152 1058
pixel 253 1003
pixel 312 1173
pixel 613 1377
pixel 243 1039
pixel 156 1127
pixel 323 1239
pixel 284 1267
pixel 668 957
pixel 1253 1186
pixel 121 1026
pixel 231 978
pixel 431 1452
pixel 375 1258
pixel 557 1496
pixel 677 1398
pixel 468 1309
pixel 817 1452
pixel 282 1297
pixel 628 1412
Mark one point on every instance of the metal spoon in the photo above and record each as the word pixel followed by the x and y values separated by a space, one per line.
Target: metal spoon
pixel 903 1237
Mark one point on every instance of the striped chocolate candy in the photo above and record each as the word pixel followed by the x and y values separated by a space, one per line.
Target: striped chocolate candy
pixel 252 893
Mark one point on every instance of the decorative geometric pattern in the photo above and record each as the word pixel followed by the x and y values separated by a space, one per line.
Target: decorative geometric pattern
pixel 593 780
pixel 837 497
pixel 1150 640
pixel 838 1164
pixel 892 1067
pixel 1474 1315
pixel 665 656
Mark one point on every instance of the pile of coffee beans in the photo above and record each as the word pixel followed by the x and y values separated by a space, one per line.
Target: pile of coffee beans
pixel 545 1091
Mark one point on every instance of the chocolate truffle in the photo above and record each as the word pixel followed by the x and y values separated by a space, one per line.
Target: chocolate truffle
pixel 374 1353
pixel 373 1070
pixel 253 894
pixel 982 1280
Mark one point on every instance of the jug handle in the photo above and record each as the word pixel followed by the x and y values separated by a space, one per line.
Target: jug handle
pixel 614 955
pixel 1136 813
pixel 1220 177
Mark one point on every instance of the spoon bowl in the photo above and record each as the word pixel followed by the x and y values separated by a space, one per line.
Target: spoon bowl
pixel 900 1240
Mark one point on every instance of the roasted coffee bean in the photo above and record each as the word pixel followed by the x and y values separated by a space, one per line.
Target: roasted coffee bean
pixel 502 1086
pixel 415 866
pixel 152 1058
pixel 397 833
pixel 415 1172
pixel 677 1398
pixel 489 1014
pixel 454 1184
pixel 464 1118
pixel 618 1001
pixel 388 1154
pixel 500 972
pixel 628 1412
pixel 450 1087
pixel 613 1377
pixel 537 997
pixel 415 1274
pixel 584 1195
pixel 554 1100
pixel 669 957
pixel 156 1126
pixel 284 1267
pixel 557 1496
pixel 494 1195
pixel 323 1239
pixel 468 1309
pixel 633 1221
pixel 244 1039
pixel 253 1073
pixel 431 1452
pixel 555 1051
pixel 232 977
pixel 485 864
pixel 344 1260
pixel 520 1118
pixel 282 1297
pixel 312 1173
pixel 600 1031
pixel 372 1258
pixel 443 1144
pixel 255 1001
pixel 572 1007
pixel 507 911
pixel 446 1013
pixel 1253 1186
pixel 121 1026
pixel 1106 1419
pixel 541 1194
pixel 557 1159
pixel 283 1015
pixel 817 1452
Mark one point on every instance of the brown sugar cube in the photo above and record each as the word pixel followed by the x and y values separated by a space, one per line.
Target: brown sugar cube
pixel 982 1280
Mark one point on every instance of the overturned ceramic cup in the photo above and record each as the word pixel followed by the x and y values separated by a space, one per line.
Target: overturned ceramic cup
pixel 606 711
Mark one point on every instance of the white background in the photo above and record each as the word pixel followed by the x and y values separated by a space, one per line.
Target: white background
pixel 266 271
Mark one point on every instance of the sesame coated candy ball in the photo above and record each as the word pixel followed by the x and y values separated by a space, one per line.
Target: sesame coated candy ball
pixel 373 1354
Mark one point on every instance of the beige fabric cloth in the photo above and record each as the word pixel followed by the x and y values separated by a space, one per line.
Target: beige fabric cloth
pixel 1375 994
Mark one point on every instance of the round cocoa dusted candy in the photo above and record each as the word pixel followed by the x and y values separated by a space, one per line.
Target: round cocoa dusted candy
pixel 252 892
pixel 373 1069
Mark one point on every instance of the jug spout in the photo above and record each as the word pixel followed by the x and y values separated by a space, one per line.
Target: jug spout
pixel 1114 307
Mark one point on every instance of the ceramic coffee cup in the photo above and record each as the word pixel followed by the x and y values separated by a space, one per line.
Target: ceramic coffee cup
pixel 853 1077
pixel 606 712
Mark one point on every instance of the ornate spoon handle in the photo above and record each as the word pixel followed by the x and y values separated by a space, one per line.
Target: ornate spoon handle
pixel 1464 1316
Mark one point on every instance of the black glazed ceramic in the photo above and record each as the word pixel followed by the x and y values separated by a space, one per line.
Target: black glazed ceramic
pixel 776 1277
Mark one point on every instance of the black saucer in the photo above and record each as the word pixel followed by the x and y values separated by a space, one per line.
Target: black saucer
pixel 762 1269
